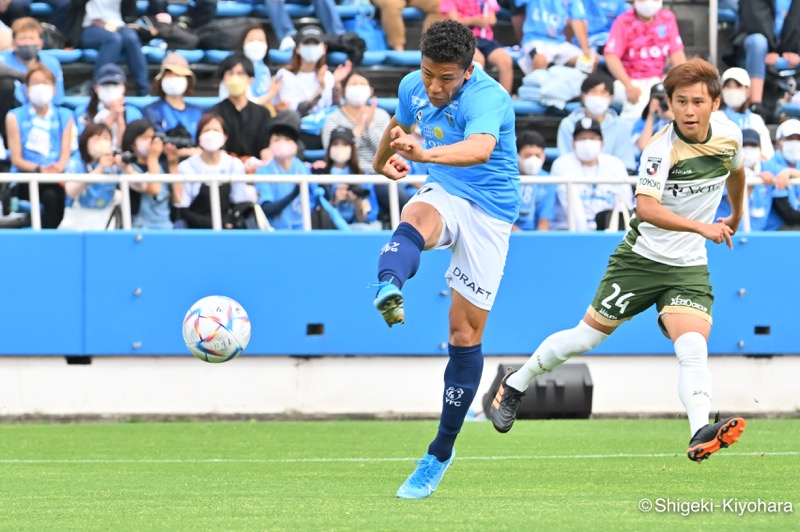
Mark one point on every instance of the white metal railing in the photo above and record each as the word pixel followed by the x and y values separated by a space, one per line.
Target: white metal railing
pixel 214 181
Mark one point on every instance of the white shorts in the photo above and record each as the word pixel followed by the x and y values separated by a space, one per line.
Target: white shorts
pixel 559 53
pixel 479 243
pixel 631 112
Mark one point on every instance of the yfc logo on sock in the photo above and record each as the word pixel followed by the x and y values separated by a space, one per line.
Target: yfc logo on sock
pixel 452 396
pixel 390 246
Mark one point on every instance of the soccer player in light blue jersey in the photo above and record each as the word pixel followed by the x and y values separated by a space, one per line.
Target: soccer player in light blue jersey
pixel 468 204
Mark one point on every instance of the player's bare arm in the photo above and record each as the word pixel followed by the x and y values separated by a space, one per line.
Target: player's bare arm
pixel 736 194
pixel 476 149
pixel 650 210
pixel 386 161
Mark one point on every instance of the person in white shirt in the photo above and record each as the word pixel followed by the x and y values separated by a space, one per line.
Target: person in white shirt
pixel 306 83
pixel 591 202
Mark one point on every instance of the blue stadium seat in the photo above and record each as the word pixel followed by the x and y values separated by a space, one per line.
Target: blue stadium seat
pixel 153 55
pixel 64 56
pixel 176 10
pixel 347 12
pixel 140 102
pixel 203 102
pixel 551 154
pixel 728 16
pixel 280 57
pixel 372 58
pixel 73 102
pixel 791 110
pixel 40 10
pixel 313 155
pixel 215 57
pixel 412 13
pixel 404 58
pixel 141 6
pixel 233 9
pixel 527 107
pixel 388 104
pixel 337 58
pixel 192 56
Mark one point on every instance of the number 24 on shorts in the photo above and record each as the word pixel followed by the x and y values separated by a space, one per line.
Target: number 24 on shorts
pixel 621 302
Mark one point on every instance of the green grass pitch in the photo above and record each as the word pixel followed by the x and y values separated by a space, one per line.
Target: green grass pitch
pixel 342 475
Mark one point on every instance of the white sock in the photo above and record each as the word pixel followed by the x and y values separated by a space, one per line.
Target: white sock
pixel 694 379
pixel 555 350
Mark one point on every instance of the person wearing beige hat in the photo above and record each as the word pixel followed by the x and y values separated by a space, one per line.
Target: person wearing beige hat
pixel 736 107
pixel 171 114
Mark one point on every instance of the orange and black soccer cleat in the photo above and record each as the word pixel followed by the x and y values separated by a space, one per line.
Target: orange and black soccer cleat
pixel 714 437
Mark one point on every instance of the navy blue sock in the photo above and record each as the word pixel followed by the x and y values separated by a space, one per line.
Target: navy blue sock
pixel 399 258
pixel 461 379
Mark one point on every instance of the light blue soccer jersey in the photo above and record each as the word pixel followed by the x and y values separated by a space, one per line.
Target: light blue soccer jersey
pixel 481 106
pixel 545 20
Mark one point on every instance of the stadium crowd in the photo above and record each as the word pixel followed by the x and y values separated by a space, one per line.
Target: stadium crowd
pixel 599 63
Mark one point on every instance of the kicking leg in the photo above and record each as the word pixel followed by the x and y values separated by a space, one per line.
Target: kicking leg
pixel 419 229
pixel 554 351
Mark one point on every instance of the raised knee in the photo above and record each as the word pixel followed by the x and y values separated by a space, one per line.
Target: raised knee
pixel 756 41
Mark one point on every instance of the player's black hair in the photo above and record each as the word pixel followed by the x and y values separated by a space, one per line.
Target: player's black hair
pixel 598 78
pixel 530 138
pixel 448 41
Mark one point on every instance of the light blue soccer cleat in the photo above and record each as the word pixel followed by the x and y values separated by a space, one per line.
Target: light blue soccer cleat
pixel 389 302
pixel 425 479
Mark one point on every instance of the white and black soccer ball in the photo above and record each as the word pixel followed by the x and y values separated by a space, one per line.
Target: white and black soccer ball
pixel 216 329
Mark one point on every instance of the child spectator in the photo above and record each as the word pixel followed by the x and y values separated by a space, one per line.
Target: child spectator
pixel 27 43
pixel 357 204
pixel 392 18
pixel 655 116
pixel 150 202
pixel 480 16
pixel 538 200
pixel 39 138
pixel 544 41
pixel 360 113
pixel 593 203
pixel 735 106
pixel 193 206
pixel 640 42
pixel 281 201
pixel 596 99
pixel 107 103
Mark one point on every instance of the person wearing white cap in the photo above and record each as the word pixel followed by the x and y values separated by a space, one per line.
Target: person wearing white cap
pixel 735 100
pixel 782 167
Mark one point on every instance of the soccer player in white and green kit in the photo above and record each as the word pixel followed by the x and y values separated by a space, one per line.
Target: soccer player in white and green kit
pixel 662 260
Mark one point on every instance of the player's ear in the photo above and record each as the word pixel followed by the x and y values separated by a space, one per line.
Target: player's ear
pixel 468 73
pixel 715 104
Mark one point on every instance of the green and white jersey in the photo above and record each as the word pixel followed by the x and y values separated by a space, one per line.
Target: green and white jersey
pixel 687 177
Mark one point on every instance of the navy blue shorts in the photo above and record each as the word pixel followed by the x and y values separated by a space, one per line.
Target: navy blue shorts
pixel 486 47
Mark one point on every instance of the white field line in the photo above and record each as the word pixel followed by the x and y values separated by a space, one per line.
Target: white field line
pixel 351 460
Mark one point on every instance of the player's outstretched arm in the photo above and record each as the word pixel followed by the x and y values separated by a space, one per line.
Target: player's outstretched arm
pixel 650 210
pixel 476 149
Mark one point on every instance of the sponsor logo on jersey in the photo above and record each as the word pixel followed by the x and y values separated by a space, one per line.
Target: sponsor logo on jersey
pixel 423 190
pixel 652 165
pixel 450 121
pixel 469 283
pixel 438 133
pixel 691 190
pixel 679 301
pixel 419 116
pixel 417 101
pixel 390 247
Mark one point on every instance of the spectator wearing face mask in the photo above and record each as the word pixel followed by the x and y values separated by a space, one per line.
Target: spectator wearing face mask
pixel 596 91
pixel 639 45
pixel 193 201
pixel 264 89
pixel 654 118
pixel 281 201
pixel 356 204
pixel 735 106
pixel 760 196
pixel 538 200
pixel 360 113
pixel 39 138
pixel 173 83
pixel 306 83
pixel 150 201
pixel 24 55
pixel 777 171
pixel 587 160
pixel 107 103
